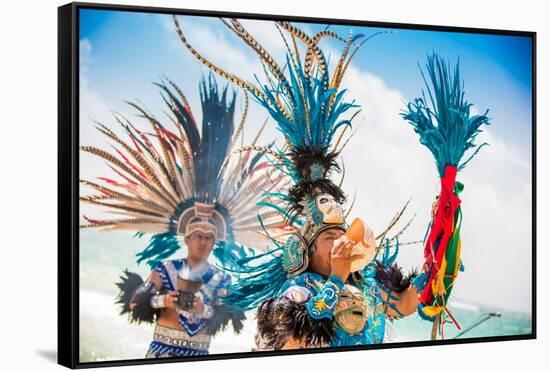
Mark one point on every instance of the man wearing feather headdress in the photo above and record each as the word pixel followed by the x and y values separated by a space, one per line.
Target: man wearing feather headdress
pixel 185 185
pixel 320 286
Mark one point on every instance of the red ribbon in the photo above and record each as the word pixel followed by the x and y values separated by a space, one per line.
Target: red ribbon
pixel 441 230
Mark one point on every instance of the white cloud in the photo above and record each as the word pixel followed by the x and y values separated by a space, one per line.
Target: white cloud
pixel 386 164
pixel 92 107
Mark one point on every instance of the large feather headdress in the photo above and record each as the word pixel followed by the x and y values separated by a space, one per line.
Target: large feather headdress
pixel 175 182
pixel 305 101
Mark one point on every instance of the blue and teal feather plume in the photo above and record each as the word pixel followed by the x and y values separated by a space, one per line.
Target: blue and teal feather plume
pixel 444 121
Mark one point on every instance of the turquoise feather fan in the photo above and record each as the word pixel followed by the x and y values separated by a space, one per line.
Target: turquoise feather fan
pixel 444 122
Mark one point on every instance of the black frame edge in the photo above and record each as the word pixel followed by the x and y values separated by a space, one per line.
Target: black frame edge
pixel 534 185
pixel 67 341
pixel 304 19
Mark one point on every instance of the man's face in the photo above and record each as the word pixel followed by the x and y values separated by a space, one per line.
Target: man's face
pixel 200 244
pixel 320 259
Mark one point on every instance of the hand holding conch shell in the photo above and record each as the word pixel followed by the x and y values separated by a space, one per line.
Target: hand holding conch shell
pixel 363 236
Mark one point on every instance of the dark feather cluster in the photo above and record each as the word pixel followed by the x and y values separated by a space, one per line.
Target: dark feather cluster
pixel 280 319
pixel 218 109
pixel 220 319
pixel 209 147
pixel 302 159
pixel 392 277
pixel 299 192
pixel 143 312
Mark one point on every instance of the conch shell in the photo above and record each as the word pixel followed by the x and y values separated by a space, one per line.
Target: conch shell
pixel 363 236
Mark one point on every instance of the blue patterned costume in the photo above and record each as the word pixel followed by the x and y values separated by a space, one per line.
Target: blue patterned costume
pixel 329 298
pixel 193 334
pixel 175 184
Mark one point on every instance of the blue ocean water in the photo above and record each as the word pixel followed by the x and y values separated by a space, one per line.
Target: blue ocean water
pixel 475 321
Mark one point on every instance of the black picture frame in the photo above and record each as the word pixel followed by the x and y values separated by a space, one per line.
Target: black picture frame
pixel 68 181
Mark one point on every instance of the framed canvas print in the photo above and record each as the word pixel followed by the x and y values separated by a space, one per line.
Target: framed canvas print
pixel 245 185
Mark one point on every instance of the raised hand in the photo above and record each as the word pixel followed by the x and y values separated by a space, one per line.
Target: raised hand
pixel 341 258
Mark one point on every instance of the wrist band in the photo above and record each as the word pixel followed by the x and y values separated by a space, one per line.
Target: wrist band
pixel 158 301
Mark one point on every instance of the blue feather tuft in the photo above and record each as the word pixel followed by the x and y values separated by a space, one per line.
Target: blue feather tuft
pixel 306 112
pixel 260 278
pixel 444 122
pixel 161 246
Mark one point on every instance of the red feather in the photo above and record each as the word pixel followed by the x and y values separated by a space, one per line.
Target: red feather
pixel 129 163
